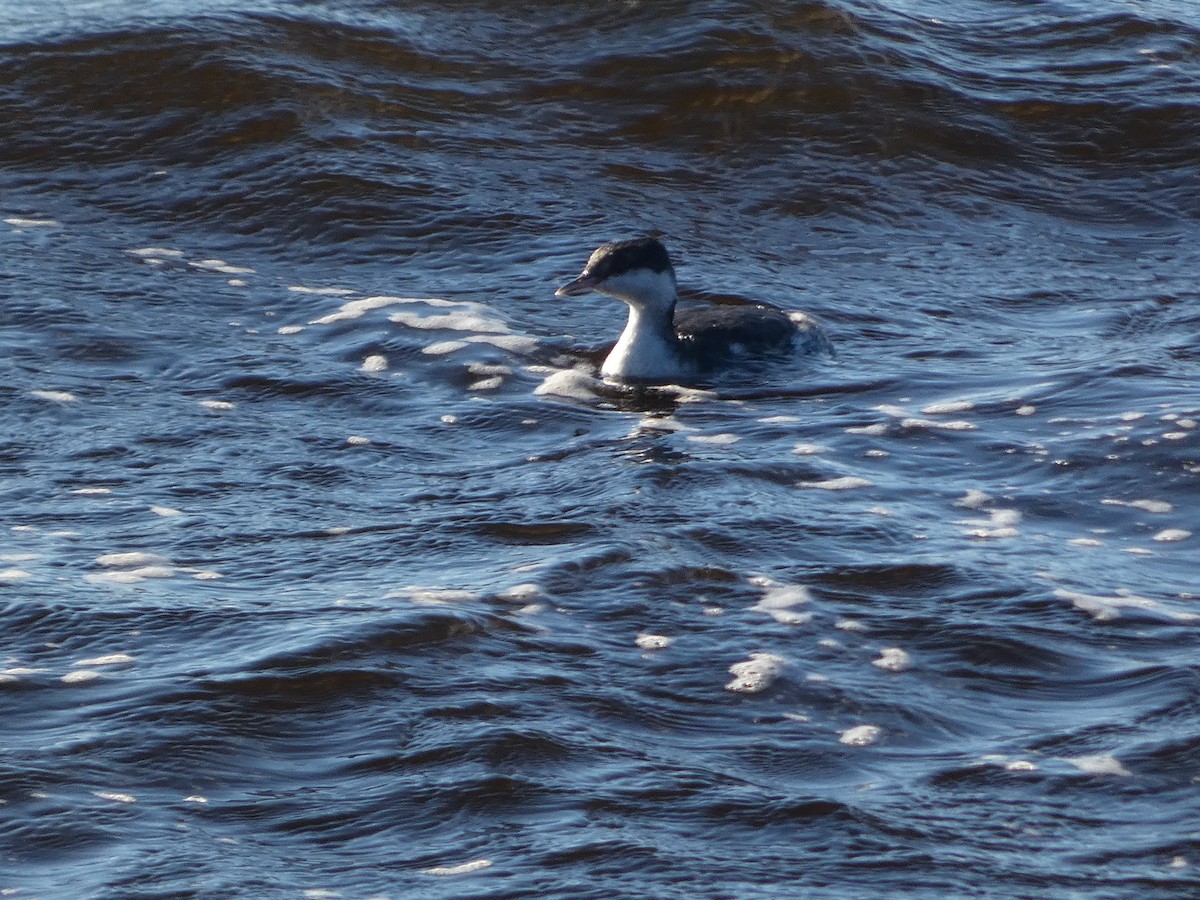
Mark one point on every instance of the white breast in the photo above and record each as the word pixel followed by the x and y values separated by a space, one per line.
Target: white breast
pixel 642 352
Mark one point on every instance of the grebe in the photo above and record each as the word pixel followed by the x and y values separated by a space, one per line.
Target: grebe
pixel 659 344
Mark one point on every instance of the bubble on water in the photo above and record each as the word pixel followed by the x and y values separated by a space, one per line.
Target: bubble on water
pixel 356 309
pixel 1098 764
pixel 861 735
pixel 949 406
pixel 845 483
pixel 521 593
pixel 55 396
pixel 648 641
pixel 753 675
pixel 221 267
pixel 321 291
pixel 115 796
pixel 110 659
pixel 131 558
pixel 431 596
pixel 466 868
pixel 877 429
pixel 973 499
pixel 779 601
pixel 934 425
pixel 569 383
pixel 893 659
pixel 80 677
pixel 513 343
pixel 1106 608
pixel 1170 535
pixel 444 348
pixel 723 439
pixel 1150 506
pixel 468 318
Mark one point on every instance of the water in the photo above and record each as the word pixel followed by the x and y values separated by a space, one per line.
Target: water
pixel 328 569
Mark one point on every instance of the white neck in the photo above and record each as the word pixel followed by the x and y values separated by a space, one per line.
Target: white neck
pixel 645 349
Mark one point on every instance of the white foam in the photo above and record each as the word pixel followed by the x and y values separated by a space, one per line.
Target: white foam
pixel 1150 506
pixel 779 602
pixel 466 868
pixel 1085 542
pixel 779 420
pixel 466 319
pixel 216 405
pixel 486 384
pixel 648 641
pixel 18 222
pixel 1020 765
pixel 375 363
pixel 83 676
pixel 933 424
pixel 849 625
pixel 115 796
pixel 289 329
pixel 724 439
pixel 111 659
pixel 973 499
pixel 877 429
pixel 755 674
pixel 130 559
pixel 219 265
pixel 570 383
pixel 159 252
pixel 1106 608
pixel 1027 409
pixel 860 735
pixel 357 440
pixel 808 449
pixel 55 396
pixel 893 659
pixel 321 291
pixel 92 491
pixel 443 348
pixel 195 798
pixel 845 483
pixel 9 576
pixel 949 406
pixel 1170 535
pixel 431 596
pixel 514 343
pixel 521 593
pixel 356 309
pixel 1098 764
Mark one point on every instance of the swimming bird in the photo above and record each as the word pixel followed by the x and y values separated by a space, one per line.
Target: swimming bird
pixel 660 343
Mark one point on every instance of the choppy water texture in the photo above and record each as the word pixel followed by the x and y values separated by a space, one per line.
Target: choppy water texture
pixel 328 566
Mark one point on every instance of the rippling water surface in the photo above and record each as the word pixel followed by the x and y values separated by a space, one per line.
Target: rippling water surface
pixel 328 568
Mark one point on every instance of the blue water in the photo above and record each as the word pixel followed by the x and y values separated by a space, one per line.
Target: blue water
pixel 329 567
